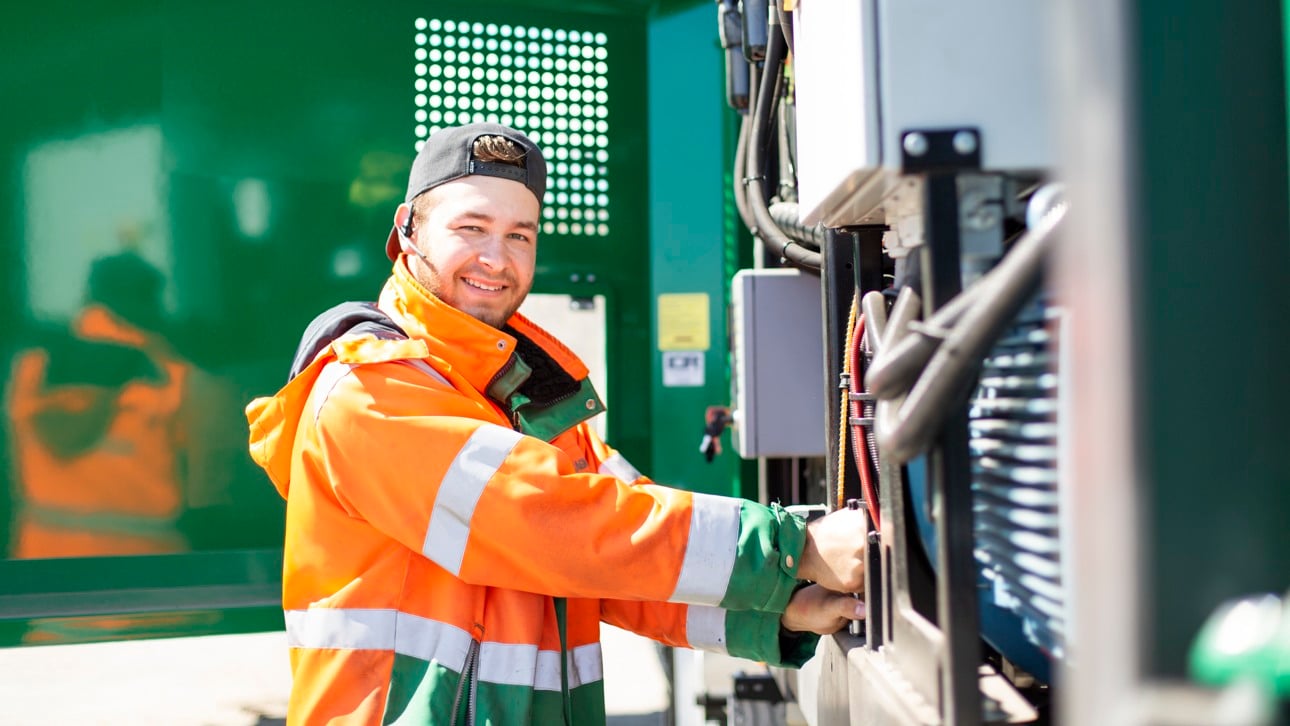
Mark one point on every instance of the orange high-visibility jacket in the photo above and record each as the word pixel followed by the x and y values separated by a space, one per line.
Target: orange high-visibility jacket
pixel 122 494
pixel 456 532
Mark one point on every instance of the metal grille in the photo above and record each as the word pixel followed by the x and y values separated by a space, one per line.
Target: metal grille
pixel 1014 463
pixel 550 83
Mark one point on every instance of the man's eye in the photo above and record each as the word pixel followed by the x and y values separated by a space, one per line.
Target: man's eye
pixel 521 237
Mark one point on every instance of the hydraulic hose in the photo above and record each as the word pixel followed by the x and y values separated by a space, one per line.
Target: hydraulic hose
pixel 767 99
pixel 860 442
pixel 785 215
pixel 741 166
pixel 785 23
pixel 909 425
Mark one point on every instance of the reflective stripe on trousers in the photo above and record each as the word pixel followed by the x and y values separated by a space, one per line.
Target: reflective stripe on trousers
pixel 433 641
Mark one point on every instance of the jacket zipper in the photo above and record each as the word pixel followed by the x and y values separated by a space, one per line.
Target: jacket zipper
pixel 469 671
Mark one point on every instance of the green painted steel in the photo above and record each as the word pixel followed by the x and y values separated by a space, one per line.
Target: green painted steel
pixel 1209 264
pixel 216 175
pixel 690 237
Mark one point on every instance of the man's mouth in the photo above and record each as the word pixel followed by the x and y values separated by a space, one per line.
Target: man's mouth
pixel 482 286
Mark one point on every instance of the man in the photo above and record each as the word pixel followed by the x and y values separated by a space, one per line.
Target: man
pixel 456 532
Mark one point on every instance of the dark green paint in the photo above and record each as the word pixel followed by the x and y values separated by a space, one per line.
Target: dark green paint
pixel 689 237
pixel 1209 261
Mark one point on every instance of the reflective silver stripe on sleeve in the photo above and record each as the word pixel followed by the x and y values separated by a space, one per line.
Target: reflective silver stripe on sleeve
pixel 710 551
pixel 426 369
pixel 705 628
pixel 620 467
pixel 354 629
pixel 459 492
pixel 328 377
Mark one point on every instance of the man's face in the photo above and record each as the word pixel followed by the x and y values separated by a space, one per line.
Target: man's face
pixel 480 245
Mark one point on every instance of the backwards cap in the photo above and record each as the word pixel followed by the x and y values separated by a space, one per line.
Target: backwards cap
pixel 449 155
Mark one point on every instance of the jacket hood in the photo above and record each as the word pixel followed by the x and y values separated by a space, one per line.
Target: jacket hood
pixel 275 419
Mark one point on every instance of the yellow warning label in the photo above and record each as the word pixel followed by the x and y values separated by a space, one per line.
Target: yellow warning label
pixel 683 321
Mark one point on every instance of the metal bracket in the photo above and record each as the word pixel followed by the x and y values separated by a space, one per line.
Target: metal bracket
pixel 757 687
pixel 940 150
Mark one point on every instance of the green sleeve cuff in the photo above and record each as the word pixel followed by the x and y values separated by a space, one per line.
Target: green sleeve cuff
pixel 758 636
pixel 766 561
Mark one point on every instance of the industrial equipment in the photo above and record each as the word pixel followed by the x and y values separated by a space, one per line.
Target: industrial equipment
pixel 924 160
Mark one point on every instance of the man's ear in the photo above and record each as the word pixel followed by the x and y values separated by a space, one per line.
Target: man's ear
pixel 403 219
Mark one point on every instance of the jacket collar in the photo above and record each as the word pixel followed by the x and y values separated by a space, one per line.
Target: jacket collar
pixel 473 349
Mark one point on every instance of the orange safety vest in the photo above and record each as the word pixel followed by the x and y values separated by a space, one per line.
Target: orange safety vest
pixel 456 532
pixel 119 496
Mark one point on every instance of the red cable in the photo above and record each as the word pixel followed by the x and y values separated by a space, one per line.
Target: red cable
pixel 859 442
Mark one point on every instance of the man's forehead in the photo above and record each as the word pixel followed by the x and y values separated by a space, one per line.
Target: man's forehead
pixel 489 197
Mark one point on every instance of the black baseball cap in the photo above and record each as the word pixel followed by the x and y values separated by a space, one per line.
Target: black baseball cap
pixel 448 155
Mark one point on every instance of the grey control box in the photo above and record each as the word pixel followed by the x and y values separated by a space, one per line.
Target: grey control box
pixel 779 364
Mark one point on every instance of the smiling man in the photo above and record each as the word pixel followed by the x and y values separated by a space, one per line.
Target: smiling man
pixel 456 531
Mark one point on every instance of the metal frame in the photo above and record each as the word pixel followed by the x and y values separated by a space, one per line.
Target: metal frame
pixel 920 661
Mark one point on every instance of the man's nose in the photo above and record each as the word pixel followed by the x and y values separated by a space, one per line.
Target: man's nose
pixel 492 253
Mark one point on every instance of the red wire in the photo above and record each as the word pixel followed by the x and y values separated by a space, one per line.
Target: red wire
pixel 859 442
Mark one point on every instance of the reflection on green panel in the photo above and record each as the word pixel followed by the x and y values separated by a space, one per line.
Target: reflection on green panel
pixel 689 247
pixel 188 185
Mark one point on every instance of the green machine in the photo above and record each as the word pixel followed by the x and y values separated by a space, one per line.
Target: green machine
pixel 188 186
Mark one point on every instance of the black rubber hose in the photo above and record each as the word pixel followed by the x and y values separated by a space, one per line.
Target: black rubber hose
pixel 741 168
pixel 767 99
pixel 785 23
pixel 786 216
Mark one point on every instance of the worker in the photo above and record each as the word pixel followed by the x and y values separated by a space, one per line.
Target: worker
pixel 456 532
pixel 97 426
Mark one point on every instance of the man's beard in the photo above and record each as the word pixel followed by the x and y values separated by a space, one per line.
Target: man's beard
pixel 486 315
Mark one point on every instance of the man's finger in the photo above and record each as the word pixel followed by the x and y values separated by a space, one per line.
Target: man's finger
pixel 850 608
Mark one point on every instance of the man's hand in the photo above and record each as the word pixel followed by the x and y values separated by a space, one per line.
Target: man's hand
pixel 834 551
pixel 816 610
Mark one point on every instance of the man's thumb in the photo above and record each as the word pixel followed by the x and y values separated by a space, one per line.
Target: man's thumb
pixel 850 608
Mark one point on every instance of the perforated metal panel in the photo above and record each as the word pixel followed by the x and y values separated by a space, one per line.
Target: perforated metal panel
pixel 550 83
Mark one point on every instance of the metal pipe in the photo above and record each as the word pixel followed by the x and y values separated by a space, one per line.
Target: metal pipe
pixel 886 413
pixel 908 428
pixel 874 305
pixel 906 308
pixel 896 369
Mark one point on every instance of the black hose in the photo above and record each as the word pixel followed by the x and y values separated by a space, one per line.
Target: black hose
pixel 767 99
pixel 785 23
pixel 786 216
pixel 741 166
